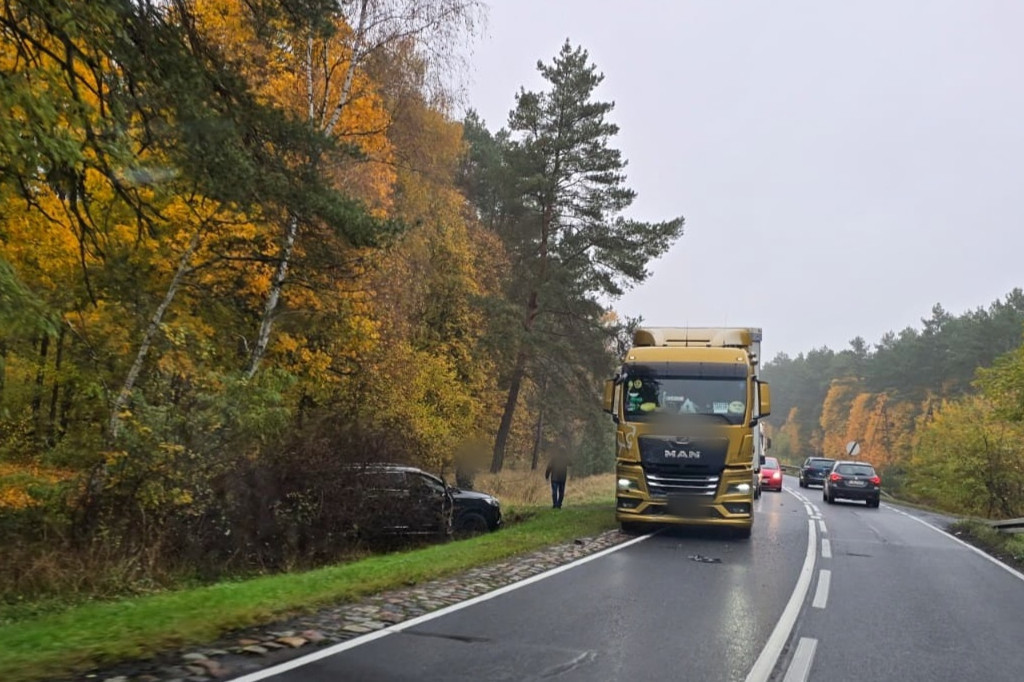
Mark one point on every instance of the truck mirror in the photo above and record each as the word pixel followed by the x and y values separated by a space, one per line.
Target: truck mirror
pixel 609 396
pixel 764 399
pixel 761 458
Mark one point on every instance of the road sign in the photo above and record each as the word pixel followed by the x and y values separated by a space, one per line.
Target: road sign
pixel 852 448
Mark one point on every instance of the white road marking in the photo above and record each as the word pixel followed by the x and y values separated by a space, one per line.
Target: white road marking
pixel 769 655
pixel 821 522
pixel 413 622
pixel 803 657
pixel 1012 571
pixel 826 549
pixel 821 594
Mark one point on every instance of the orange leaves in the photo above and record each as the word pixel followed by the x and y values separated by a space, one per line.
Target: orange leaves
pixel 23 486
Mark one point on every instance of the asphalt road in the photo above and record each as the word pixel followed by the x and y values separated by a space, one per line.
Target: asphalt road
pixel 905 602
pixel 901 602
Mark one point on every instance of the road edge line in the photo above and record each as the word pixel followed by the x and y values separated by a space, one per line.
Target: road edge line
pixel 412 622
pixel 1009 569
pixel 769 656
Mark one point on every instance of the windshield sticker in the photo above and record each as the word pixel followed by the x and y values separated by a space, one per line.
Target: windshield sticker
pixel 736 406
pixel 719 408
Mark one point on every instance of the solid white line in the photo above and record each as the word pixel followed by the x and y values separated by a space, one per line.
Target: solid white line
pixel 803 657
pixel 413 622
pixel 1012 571
pixel 821 522
pixel 826 549
pixel 769 655
pixel 821 594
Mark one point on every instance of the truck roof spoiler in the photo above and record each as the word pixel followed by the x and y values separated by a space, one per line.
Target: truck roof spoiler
pixel 709 337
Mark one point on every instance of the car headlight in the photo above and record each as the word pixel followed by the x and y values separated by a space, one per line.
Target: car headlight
pixel 493 501
pixel 738 488
pixel 627 484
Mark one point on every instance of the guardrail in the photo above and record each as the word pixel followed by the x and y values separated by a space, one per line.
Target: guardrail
pixel 1008 526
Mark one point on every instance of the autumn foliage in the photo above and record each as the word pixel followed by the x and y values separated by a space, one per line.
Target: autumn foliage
pixel 938 411
pixel 241 246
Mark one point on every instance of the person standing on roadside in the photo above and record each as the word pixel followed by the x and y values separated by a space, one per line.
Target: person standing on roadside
pixel 557 472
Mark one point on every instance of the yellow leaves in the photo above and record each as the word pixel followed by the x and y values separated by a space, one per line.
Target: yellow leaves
pixel 21 485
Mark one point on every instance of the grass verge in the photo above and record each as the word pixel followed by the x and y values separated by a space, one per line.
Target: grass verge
pixel 103 633
pixel 1007 547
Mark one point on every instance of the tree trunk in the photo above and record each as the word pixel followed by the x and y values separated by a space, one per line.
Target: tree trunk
pixel 37 395
pixel 501 440
pixel 3 369
pixel 52 429
pixel 538 438
pixel 350 72
pixel 267 323
pixel 147 338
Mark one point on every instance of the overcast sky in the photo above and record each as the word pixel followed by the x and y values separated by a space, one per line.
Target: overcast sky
pixel 842 166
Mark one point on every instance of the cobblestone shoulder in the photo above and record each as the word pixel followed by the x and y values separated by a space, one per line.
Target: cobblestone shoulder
pixel 256 648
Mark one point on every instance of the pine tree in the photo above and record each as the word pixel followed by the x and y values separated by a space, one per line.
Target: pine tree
pixel 562 219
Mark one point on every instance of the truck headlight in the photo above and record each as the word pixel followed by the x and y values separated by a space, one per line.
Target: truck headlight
pixel 738 488
pixel 627 484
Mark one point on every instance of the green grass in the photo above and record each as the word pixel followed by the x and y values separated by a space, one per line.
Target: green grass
pixel 103 633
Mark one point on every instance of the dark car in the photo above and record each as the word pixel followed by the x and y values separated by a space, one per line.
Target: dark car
pixel 475 512
pixel 771 475
pixel 814 471
pixel 852 481
pixel 391 499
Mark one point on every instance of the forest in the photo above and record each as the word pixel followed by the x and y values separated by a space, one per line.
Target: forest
pixel 246 242
pixel 939 410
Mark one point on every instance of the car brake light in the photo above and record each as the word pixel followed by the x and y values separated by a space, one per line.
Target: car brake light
pixel 877 480
pixel 835 477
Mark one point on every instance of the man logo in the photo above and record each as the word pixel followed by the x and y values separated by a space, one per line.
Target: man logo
pixel 682 454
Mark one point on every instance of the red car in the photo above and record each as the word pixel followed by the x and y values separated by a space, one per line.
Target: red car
pixel 771 475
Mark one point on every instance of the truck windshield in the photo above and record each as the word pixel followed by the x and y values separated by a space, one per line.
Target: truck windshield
pixel 649 397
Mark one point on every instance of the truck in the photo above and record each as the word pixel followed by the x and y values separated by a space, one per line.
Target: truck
pixel 686 403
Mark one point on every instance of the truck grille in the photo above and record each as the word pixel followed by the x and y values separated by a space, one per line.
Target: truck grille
pixel 698 485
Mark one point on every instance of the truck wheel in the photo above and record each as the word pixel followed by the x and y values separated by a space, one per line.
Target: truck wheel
pixel 630 528
pixel 743 533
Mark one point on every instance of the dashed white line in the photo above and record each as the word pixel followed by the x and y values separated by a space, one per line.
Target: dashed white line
pixel 821 594
pixel 826 549
pixel 803 657
pixel 821 522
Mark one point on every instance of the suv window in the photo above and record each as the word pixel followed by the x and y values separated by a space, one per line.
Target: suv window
pixel 819 462
pixel 855 470
pixel 425 482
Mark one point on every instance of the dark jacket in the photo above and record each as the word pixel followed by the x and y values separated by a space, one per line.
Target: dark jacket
pixel 557 471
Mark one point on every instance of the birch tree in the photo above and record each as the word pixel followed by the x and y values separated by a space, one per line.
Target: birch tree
pixel 334 50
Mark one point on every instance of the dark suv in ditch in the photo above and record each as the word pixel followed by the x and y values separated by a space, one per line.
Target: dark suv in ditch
pixel 395 499
pixel 814 471
pixel 391 499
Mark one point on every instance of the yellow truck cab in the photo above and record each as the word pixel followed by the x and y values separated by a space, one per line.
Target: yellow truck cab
pixel 686 404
